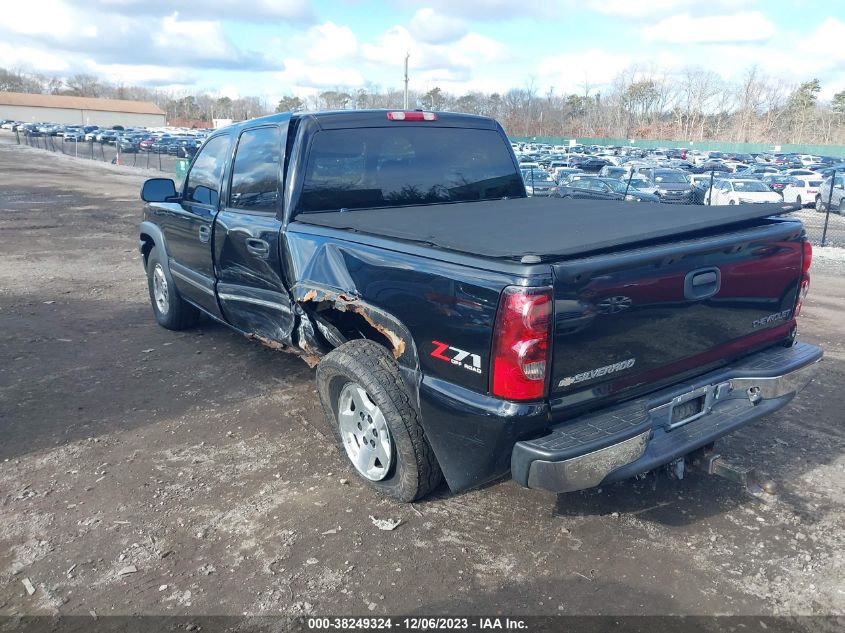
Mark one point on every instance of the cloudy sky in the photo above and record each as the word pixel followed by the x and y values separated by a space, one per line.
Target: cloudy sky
pixel 271 48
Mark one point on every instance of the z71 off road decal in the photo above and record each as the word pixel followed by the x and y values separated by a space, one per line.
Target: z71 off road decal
pixel 597 373
pixel 455 356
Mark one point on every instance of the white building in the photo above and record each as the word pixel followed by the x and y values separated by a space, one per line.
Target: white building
pixel 38 108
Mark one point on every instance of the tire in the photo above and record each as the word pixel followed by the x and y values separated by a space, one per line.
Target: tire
pixel 840 209
pixel 173 313
pixel 819 204
pixel 799 202
pixel 400 463
pixel 731 202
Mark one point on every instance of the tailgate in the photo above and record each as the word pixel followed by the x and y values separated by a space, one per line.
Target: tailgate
pixel 631 322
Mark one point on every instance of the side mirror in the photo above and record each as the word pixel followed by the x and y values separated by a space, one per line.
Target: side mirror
pixel 158 190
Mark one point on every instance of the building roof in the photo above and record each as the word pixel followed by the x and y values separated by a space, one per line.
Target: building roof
pixel 78 103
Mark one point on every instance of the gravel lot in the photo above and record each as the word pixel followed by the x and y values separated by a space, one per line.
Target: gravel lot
pixel 144 471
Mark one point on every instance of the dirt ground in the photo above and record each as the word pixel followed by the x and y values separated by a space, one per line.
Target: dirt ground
pixel 144 471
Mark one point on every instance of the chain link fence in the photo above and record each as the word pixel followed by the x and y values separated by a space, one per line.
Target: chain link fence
pixel 104 152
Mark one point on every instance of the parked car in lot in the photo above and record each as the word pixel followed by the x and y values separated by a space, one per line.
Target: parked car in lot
pixel 74 134
pixel 778 182
pixel 597 188
pixel 592 164
pixel 461 330
pixel 801 172
pixel 612 171
pixel 537 182
pixel 672 185
pixel 741 191
pixel 837 204
pixel 711 165
pixel 559 173
pixel 802 190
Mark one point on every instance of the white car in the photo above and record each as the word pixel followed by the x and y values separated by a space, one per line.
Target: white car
pixel 740 191
pixel 802 173
pixel 803 191
pixel 735 165
pixel 809 159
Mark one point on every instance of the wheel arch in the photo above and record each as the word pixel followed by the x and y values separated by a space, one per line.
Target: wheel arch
pixel 340 317
pixel 150 236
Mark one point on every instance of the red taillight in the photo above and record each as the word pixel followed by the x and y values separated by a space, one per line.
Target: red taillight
pixel 411 116
pixel 521 343
pixel 808 257
pixel 805 277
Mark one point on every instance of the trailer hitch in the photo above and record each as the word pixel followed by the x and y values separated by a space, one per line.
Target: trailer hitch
pixel 714 464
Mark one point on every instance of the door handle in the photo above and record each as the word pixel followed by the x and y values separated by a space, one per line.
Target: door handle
pixel 205 233
pixel 701 284
pixel 257 247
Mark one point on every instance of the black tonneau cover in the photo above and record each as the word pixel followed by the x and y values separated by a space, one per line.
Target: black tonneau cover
pixel 548 227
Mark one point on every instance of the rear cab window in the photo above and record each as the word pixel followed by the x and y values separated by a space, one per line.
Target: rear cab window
pixel 361 168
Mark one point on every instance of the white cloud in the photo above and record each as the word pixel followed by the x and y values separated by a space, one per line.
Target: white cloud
pixel 751 26
pixel 236 10
pixel 302 74
pixel 468 52
pixel 434 28
pixel 492 10
pixel 34 59
pixel 330 42
pixel 825 43
pixel 570 72
pixel 134 74
pixel 648 8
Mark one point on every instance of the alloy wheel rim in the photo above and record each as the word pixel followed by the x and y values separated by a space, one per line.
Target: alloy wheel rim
pixel 363 429
pixel 160 294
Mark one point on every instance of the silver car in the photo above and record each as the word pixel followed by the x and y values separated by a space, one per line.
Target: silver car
pixel 836 198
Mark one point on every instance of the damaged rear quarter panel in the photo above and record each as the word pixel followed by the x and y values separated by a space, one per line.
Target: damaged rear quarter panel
pixel 412 300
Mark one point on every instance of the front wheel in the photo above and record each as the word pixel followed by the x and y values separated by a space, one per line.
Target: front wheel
pixel 731 202
pixel 170 309
pixel 370 412
pixel 819 204
pixel 798 201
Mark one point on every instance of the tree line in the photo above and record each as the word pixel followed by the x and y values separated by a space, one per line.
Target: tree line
pixel 640 103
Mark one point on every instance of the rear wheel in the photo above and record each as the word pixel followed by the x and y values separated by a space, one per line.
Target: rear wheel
pixel 819 204
pixel 839 207
pixel 370 412
pixel 170 309
pixel 798 201
pixel 731 202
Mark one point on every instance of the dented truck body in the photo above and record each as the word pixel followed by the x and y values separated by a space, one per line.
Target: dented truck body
pixel 677 317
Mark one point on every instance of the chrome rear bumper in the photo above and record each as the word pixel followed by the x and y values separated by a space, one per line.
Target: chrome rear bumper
pixel 654 433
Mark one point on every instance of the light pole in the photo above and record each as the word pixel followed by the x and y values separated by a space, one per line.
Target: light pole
pixel 405 107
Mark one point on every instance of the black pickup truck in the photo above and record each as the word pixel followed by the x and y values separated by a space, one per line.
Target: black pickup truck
pixel 461 330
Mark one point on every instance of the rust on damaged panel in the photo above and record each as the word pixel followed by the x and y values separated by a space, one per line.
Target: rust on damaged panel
pixel 344 302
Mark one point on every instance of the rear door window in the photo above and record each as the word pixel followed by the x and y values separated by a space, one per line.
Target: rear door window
pixel 256 169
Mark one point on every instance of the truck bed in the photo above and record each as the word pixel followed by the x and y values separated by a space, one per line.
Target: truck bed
pixel 550 228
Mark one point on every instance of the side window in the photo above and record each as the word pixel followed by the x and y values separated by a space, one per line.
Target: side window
pixel 255 173
pixel 203 181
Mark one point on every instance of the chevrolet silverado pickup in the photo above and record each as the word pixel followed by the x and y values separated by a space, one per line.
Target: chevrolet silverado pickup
pixel 463 331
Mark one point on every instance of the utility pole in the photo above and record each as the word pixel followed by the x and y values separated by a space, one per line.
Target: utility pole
pixel 407 55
